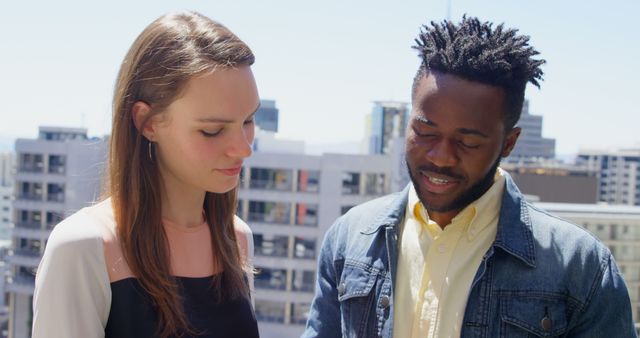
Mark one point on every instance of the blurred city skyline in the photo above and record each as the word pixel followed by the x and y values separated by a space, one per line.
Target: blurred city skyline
pixel 323 62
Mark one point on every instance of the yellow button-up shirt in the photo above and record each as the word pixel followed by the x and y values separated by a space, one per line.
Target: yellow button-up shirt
pixel 436 266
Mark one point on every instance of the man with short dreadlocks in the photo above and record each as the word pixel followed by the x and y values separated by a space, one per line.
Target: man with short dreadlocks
pixel 460 252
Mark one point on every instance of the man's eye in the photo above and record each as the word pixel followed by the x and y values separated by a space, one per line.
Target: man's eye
pixel 468 145
pixel 422 133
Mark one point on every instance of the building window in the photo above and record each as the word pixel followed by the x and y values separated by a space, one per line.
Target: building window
pixel 271 245
pixel 271 179
pixel 300 313
pixel 55 192
pixel 29 247
pixel 57 164
pixel 308 180
pixel 304 280
pixel 270 311
pixel 31 163
pixel 375 184
pixel 53 218
pixel 31 191
pixel 270 212
pixel 304 248
pixel 274 279
pixel 307 214
pixel 351 183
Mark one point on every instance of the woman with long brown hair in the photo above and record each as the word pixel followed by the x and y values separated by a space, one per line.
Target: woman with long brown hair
pixel 164 255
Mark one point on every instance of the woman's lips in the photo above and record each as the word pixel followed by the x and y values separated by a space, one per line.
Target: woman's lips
pixel 231 171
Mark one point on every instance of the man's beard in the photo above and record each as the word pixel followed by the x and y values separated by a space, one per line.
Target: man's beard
pixel 465 198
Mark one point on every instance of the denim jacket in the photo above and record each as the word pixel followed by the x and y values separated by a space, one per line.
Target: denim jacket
pixel 542 277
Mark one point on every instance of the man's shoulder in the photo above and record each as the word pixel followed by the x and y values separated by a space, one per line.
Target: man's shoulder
pixel 367 218
pixel 379 211
pixel 565 237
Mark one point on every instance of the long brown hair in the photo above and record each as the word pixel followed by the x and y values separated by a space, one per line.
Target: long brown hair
pixel 170 51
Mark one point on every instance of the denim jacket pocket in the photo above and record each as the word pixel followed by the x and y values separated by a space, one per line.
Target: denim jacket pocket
pixel 357 302
pixel 533 315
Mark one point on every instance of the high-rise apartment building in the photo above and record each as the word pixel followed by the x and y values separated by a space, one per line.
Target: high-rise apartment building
pixel 267 116
pixel 388 120
pixel 531 144
pixel 57 174
pixel 290 200
pixel 618 173
pixel 618 227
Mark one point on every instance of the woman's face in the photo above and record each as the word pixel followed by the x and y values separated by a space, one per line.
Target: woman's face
pixel 202 138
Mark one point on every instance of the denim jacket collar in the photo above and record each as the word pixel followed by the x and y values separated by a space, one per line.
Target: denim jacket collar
pixel 514 234
pixel 392 216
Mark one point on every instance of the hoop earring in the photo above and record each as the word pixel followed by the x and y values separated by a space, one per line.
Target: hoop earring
pixel 150 152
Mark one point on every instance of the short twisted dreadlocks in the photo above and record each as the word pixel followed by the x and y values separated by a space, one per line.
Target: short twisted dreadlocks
pixel 475 51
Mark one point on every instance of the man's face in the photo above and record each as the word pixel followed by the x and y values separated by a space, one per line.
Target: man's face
pixel 454 142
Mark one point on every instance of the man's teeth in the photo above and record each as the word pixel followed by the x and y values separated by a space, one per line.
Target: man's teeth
pixel 438 180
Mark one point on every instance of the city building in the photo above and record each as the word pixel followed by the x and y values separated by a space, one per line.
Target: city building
pixel 57 174
pixel 618 227
pixel 553 181
pixel 290 200
pixel 6 197
pixel 530 143
pixel 267 116
pixel 618 173
pixel 387 120
pixel 6 226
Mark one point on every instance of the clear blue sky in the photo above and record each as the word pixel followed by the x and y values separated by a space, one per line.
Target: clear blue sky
pixel 324 62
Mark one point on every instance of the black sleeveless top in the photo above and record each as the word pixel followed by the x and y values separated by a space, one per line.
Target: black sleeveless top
pixel 132 315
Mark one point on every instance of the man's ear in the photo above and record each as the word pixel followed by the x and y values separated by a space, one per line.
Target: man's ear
pixel 140 114
pixel 510 141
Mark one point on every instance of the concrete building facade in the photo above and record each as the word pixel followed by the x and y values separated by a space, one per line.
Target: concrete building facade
pixel 57 174
pixel 290 200
pixel 618 172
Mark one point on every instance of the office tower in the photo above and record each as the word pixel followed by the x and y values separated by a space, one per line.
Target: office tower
pixel 531 145
pixel 267 116
pixel 387 120
pixel 57 174
pixel 618 173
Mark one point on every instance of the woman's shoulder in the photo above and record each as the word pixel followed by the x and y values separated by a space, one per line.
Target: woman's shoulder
pixel 86 227
pixel 241 226
pixel 244 237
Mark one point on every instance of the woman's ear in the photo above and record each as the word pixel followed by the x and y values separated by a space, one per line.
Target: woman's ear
pixel 140 114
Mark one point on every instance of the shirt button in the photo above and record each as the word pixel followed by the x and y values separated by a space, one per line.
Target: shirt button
pixel 341 289
pixel 384 301
pixel 442 248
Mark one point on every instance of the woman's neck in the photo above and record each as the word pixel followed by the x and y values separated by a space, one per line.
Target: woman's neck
pixel 182 205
